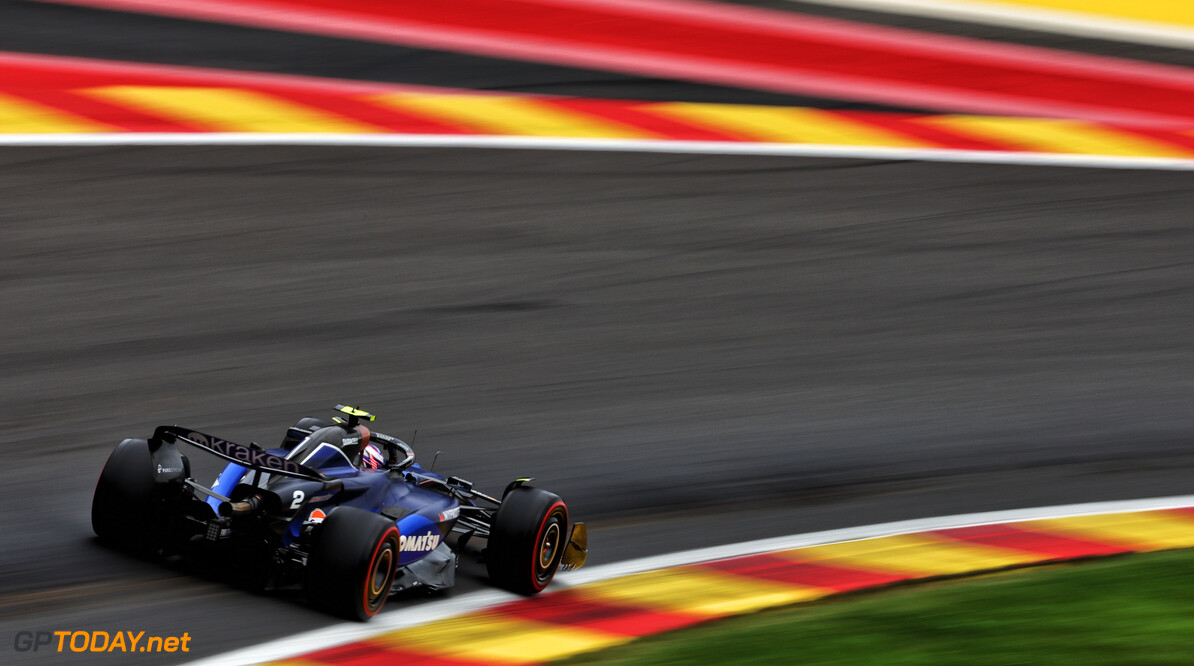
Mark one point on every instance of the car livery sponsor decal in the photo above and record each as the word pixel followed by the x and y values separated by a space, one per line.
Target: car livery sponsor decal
pixel 232 451
pixel 244 454
pixel 317 516
pixel 419 536
pixel 420 544
pixel 450 514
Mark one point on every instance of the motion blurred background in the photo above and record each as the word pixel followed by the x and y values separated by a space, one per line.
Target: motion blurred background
pixel 692 348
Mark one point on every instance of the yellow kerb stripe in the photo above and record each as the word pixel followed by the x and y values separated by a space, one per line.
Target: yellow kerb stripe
pixel 1173 12
pixel 784 124
pixel 1057 136
pixel 510 115
pixel 1138 531
pixel 913 555
pixel 229 109
pixel 492 639
pixel 18 116
pixel 699 593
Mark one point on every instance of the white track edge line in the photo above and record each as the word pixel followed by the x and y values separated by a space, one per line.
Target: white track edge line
pixel 1051 20
pixel 340 634
pixel 615 145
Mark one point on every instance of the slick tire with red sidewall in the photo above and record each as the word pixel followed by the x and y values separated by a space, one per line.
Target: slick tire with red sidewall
pixel 527 540
pixel 352 563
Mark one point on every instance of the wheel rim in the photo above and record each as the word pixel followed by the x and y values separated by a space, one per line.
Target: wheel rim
pixel 549 546
pixel 380 576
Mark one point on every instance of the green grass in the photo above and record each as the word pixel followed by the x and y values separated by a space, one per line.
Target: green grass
pixel 1136 609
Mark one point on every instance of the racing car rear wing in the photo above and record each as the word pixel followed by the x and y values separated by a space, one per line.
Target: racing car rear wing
pixel 231 451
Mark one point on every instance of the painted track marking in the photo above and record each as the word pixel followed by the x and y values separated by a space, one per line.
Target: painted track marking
pixel 625 145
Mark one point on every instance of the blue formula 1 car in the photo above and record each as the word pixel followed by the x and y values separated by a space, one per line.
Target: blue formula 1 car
pixel 343 511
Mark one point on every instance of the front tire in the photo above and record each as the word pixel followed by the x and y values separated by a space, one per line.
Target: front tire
pixel 527 540
pixel 352 563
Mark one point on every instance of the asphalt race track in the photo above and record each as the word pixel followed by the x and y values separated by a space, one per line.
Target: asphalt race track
pixel 693 350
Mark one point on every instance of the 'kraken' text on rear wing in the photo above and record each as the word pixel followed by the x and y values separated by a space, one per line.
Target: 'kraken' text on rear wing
pixel 233 452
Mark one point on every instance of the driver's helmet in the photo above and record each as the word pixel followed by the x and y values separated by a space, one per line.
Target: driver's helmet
pixel 372 457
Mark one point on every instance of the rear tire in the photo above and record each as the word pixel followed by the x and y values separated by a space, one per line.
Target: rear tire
pixel 352 563
pixel 527 540
pixel 122 510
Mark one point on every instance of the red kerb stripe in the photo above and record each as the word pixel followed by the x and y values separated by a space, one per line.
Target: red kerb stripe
pixel 570 608
pixel 1049 545
pixel 785 570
